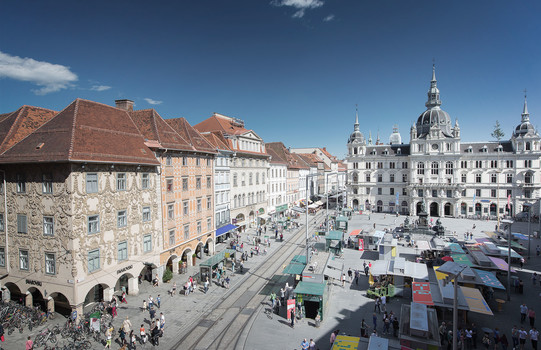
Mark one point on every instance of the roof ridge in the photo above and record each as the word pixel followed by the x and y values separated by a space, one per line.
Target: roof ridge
pixel 74 123
pixel 10 132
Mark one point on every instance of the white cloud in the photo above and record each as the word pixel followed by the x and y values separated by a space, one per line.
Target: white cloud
pixel 100 87
pixel 300 5
pixel 50 77
pixel 153 102
pixel 328 18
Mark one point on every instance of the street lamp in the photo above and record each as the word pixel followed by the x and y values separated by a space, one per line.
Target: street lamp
pixel 453 271
pixel 508 224
pixel 308 176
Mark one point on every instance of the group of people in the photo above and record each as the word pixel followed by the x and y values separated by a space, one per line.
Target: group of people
pixel 308 345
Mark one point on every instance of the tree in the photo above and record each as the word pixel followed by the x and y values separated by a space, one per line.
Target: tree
pixel 498 133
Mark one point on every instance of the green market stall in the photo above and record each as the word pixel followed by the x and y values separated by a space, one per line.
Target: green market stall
pixel 313 298
pixel 342 223
pixel 333 241
pixel 214 262
pixel 296 266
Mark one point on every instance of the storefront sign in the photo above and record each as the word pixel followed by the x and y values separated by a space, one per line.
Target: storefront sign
pixel 124 269
pixel 33 282
pixel 280 208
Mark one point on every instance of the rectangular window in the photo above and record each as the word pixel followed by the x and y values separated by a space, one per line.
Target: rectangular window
pixel 420 193
pixel 2 227
pixel 122 218
pixel 2 257
pixel 47 185
pixel 493 178
pixel 404 165
pixel 379 190
pixel 479 164
pixel 147 243
pixel 368 165
pixel 171 211
pixel 48 226
pixel 463 193
pixel 184 161
pixel 509 164
pixel 463 164
pixel 404 177
pixel 186 232
pixel 209 182
pixel 367 177
pixel 121 182
pixel 198 182
pixel 92 183
pixel 404 192
pixel 93 224
pixel 209 224
pixel 478 178
pixel 527 194
pixel 21 223
pixel 391 191
pixel 493 193
pixel 493 163
pixel 169 185
pixel 198 161
pixel 391 178
pixel 168 160
pixel 199 205
pixel 463 178
pixel 380 178
pixel 185 207
pixel 199 227
pixel 449 194
pixel 509 178
pixel 391 165
pixel 93 260
pixel 509 193
pixel 21 183
pixel 50 264
pixel 208 162
pixel 478 193
pixel 122 251
pixel 23 259
pixel 145 181
pixel 185 183
pixel 527 164
pixel 380 165
pixel 209 202
pixel 146 214
pixel 172 238
pixel 434 193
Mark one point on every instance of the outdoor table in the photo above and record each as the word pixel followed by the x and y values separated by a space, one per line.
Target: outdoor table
pixel 500 303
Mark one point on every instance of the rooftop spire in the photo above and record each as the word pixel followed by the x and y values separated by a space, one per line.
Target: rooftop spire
pixel 369 137
pixel 433 72
pixel 356 126
pixel 525 114
pixel 433 93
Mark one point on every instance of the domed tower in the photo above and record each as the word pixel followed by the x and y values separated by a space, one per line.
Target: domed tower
pixel 395 138
pixel 356 141
pixel 434 115
pixel 525 137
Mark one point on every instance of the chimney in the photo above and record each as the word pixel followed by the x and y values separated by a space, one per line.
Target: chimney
pixel 126 105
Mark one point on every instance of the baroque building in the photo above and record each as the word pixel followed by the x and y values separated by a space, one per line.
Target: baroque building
pixel 453 178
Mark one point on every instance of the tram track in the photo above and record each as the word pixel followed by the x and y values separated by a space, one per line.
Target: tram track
pixel 222 325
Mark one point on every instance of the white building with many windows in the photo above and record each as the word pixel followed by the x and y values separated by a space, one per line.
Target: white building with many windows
pixel 452 177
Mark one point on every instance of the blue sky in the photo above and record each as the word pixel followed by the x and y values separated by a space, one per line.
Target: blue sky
pixel 292 69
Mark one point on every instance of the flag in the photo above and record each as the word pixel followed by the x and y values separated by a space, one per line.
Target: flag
pixel 397 196
pixel 474 199
pixel 509 202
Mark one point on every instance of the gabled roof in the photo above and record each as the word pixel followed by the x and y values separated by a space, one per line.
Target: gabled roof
pixel 284 154
pixel 84 131
pixel 216 139
pixel 218 122
pixel 17 125
pixel 310 158
pixel 330 156
pixel 300 161
pixel 187 132
pixel 275 157
pixel 154 128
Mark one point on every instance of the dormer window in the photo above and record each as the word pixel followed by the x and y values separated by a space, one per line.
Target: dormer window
pixel 500 148
pixel 398 151
pixel 385 152
pixel 469 149
pixel 484 149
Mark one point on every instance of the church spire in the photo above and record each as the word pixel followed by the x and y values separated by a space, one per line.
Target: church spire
pixel 525 114
pixel 356 126
pixel 433 93
pixel 369 137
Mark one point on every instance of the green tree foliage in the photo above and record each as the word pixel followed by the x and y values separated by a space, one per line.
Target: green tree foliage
pixel 498 133
pixel 167 275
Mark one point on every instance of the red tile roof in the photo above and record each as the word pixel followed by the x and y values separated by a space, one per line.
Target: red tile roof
pixel 218 122
pixel 284 154
pixel 84 131
pixel 154 128
pixel 302 163
pixel 187 132
pixel 331 157
pixel 17 125
pixel 310 158
pixel 275 158
pixel 216 139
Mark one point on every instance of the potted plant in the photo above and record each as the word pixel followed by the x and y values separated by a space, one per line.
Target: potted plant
pixel 167 275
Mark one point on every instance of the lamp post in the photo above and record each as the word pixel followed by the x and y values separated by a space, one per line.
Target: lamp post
pixel 508 224
pixel 529 229
pixel 308 176
pixel 453 271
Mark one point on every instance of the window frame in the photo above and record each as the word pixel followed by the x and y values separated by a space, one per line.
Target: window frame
pixel 48 224
pixel 147 243
pixel 95 224
pixel 145 181
pixel 2 256
pixel 27 268
pixel 20 217
pixel 122 251
pixel 90 183
pixel 122 220
pixel 21 183
pixel 121 181
pixel 94 259
pixel 48 263
pixel 147 211
pixel 47 183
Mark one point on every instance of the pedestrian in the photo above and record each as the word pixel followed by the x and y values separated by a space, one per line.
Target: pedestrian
pixel 386 324
pixel 123 298
pixel 534 278
pixel 534 336
pixel 29 344
pixel 292 318
pixel 132 340
pixel 521 263
pixel 113 309
pixel 174 289
pixel 152 313
pixel 443 332
pixel 504 342
pixel 143 334
pixel 396 325
pixel 343 280
pixel 304 344
pixel 312 344
pixel 520 286
pixel 350 275
pixel 514 336
pixel 356 277
pixel 364 329
pixel 108 336
pixel 384 303
pixel 159 301
pixel 486 341
pixel 375 321
pixel 122 336
pixel 366 270
pixel 150 301
pixel 145 306
pixel 531 316
pixel 522 334
pixel 377 305
pixel 468 336
pixel 537 250
pixel 206 285
pixel 126 325
pixel 333 336
pixel 496 336
pixel 162 320
pixel 523 312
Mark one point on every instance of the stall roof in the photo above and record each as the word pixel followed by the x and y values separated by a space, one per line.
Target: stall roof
pixel 299 259
pixel 489 279
pixel 514 254
pixel 455 248
pixel 475 301
pixel 462 259
pixel 379 267
pixel 518 245
pixel 294 269
pixel 355 232
pixel 342 218
pixel 500 264
pixel 310 288
pixel 334 235
pixel 216 259
pixel 423 245
pixel 416 270
pixel 378 234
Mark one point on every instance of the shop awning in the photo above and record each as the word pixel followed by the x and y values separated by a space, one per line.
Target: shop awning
pixel 224 229
pixel 455 248
pixel 310 288
pixel 294 269
pixel 421 293
pixel 299 259
pixel 475 301
pixel 500 264
pixel 489 279
pixel 519 236
pixel 355 232
pixel 337 235
pixel 298 209
pixel 264 216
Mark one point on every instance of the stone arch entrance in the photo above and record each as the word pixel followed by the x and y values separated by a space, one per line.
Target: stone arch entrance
pixel 478 210
pixel 493 209
pixel 463 209
pixel 355 204
pixel 14 293
pixel 379 206
pixel 129 282
pixel 146 272
pixel 60 304
pixel 187 256
pixel 209 247
pixel 172 264
pixel 448 209
pixel 199 250
pixel 418 207
pixel 434 209
pixel 96 294
pixel 35 298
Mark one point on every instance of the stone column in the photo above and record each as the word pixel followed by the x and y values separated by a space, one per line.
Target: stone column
pixel 133 286
pixel 50 304
pixel 175 265
pixel 108 294
pixel 29 299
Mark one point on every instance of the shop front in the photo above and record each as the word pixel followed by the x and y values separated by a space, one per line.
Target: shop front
pixel 313 297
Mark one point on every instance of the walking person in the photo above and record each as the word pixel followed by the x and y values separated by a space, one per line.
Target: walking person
pixel 443 332
pixel 531 316
pixel 375 321
pixel 123 298
pixel 384 303
pixel 474 335
pixel 522 334
pixel 126 325
pixel 523 312
pixel 364 329
pixel 145 306
pixel 486 341
pixel 108 336
pixel 377 305
pixel 143 334
pixel 534 336
pixel 504 342
pixel 29 343
pixel 159 301
pixel 514 336
pixel 312 344
pixel 350 275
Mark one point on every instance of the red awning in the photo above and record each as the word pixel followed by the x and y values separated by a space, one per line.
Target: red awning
pixel 355 232
pixel 447 258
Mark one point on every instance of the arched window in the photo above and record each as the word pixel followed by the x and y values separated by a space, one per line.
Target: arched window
pixel 528 146
pixel 355 177
pixel 257 178
pixel 251 180
pixel 354 150
pixel 528 178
